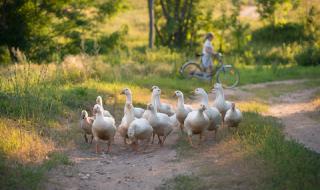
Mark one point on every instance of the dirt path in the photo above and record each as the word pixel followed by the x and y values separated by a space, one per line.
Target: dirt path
pixel 145 170
pixel 298 112
pixel 122 169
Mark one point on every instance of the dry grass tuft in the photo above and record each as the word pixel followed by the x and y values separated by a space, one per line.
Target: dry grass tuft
pixel 21 145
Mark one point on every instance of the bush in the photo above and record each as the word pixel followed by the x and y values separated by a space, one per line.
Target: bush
pixel 309 56
pixel 279 34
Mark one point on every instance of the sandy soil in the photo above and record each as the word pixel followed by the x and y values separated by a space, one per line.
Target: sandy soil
pixel 125 169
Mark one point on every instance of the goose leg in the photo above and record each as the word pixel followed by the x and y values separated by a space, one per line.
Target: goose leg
pixel 125 140
pixel 163 139
pixel 190 141
pixel 134 146
pixel 153 134
pixel 85 138
pixel 181 128
pixel 147 144
pixel 109 146
pixel 200 138
pixel 91 139
pixel 97 148
pixel 215 133
pixel 160 141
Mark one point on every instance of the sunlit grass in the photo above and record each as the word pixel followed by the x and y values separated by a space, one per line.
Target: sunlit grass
pixel 22 143
pixel 253 106
pixel 252 75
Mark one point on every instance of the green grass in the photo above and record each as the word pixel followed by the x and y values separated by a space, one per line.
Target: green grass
pixel 183 182
pixel 276 90
pixel 267 159
pixel 292 166
pixel 255 75
pixel 20 176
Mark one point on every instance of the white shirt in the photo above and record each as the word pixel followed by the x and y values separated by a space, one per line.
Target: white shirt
pixel 207 44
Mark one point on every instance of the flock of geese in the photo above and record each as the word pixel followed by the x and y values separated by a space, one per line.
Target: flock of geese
pixel 160 118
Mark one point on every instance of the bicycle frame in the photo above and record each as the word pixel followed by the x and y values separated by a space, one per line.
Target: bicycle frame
pixel 221 69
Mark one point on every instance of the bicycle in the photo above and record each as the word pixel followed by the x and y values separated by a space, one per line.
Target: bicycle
pixel 227 75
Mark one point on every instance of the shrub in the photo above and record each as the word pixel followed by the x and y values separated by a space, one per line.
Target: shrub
pixel 279 34
pixel 309 56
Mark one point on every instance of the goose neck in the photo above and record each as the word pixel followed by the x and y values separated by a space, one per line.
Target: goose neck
pixel 180 102
pixel 157 100
pixel 205 100
pixel 129 114
pixel 220 95
pixel 128 98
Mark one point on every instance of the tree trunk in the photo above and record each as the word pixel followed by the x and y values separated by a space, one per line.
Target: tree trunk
pixel 151 23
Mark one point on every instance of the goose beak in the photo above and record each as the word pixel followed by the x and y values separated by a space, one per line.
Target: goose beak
pixel 213 90
pixel 174 95
pixel 122 92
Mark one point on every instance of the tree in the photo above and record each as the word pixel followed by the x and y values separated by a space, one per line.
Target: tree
pixel 151 22
pixel 40 27
pixel 239 30
pixel 267 8
pixel 176 22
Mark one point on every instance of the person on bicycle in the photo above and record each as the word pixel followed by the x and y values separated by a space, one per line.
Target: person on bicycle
pixel 207 53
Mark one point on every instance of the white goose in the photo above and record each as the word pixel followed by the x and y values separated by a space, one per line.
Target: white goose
pixel 125 122
pixel 161 123
pixel 147 112
pixel 233 116
pixel 213 113
pixel 196 123
pixel 222 105
pixel 103 128
pixel 138 112
pixel 86 125
pixel 139 128
pixel 162 107
pixel 106 113
pixel 182 109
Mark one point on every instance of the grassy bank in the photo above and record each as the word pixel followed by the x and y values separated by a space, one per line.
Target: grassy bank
pixel 281 163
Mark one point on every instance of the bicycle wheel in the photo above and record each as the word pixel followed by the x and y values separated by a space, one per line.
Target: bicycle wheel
pixel 228 76
pixel 189 69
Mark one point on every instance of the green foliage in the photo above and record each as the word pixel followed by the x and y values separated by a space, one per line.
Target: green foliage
pixel 267 8
pixel 309 55
pixel 40 28
pixel 292 166
pixel 19 176
pixel 177 22
pixel 279 34
pixel 239 30
pixel 114 41
pixel 222 24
